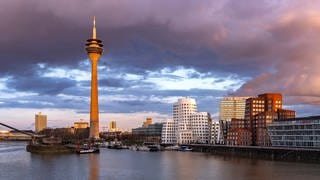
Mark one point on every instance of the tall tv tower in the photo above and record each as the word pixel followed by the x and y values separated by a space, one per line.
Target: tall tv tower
pixel 94 48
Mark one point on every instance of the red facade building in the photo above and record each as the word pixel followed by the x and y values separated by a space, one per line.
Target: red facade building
pixel 239 133
pixel 260 112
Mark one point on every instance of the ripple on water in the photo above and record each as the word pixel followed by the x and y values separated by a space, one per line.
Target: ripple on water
pixel 16 163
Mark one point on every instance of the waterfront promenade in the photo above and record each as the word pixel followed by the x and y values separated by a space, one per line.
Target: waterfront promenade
pixel 16 163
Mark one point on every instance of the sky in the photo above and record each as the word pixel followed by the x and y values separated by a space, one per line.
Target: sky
pixel 155 52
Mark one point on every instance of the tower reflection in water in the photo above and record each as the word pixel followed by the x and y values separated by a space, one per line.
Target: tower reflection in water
pixel 94 171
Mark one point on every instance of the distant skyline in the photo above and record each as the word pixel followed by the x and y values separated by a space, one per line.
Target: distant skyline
pixel 155 53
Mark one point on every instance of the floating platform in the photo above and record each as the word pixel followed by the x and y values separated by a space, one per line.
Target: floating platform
pixel 49 149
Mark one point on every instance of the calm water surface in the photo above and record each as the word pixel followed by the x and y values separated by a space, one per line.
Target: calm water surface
pixel 16 163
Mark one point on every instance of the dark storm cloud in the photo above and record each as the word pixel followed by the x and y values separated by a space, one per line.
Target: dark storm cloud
pixel 41 85
pixel 148 36
pixel 118 83
pixel 45 102
pixel 110 82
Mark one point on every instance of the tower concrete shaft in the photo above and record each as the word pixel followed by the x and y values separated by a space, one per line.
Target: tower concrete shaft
pixel 94 48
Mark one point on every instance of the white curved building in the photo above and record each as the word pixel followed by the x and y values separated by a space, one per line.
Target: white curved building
pixel 200 125
pixel 188 125
pixel 168 134
pixel 215 133
pixel 182 111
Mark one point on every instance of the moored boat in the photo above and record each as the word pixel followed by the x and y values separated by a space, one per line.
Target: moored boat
pixel 86 151
pixel 172 148
pixel 185 148
pixel 143 148
pixel 153 148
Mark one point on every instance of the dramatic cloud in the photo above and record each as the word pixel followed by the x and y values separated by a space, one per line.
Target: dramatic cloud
pixel 295 58
pixel 156 52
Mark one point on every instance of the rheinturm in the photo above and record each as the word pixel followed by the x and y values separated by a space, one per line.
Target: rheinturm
pixel 94 48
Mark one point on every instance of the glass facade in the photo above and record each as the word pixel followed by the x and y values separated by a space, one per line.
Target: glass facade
pixel 299 132
pixel 152 130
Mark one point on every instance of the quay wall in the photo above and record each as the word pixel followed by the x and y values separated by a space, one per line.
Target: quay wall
pixel 267 153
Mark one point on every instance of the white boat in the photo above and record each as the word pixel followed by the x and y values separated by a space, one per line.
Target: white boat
pixel 172 148
pixel 86 151
pixel 143 148
pixel 185 148
pixel 133 148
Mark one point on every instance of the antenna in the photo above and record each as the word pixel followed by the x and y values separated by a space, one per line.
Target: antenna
pixel 94 30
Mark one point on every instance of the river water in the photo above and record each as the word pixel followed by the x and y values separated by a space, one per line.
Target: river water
pixel 16 163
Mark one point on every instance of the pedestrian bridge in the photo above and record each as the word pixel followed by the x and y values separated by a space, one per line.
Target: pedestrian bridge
pixel 23 132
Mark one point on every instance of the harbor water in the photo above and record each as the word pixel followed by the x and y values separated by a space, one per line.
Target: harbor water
pixel 16 163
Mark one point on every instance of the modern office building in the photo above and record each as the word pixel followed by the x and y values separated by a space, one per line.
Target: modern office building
pixel 152 129
pixel 113 126
pixel 238 133
pixel 241 137
pixel 182 111
pixel 152 133
pixel 260 111
pixel 215 133
pixel 40 122
pixel 301 132
pixel 80 125
pixel 284 114
pixel 261 121
pixel 94 48
pixel 168 134
pixel 232 107
pixel 201 127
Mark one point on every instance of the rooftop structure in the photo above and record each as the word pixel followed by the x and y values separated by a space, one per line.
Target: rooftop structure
pixel 147 122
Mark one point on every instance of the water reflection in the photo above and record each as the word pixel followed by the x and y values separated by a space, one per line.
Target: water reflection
pixel 125 164
pixel 94 170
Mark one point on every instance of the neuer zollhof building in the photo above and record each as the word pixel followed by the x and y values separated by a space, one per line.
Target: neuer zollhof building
pixel 188 126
